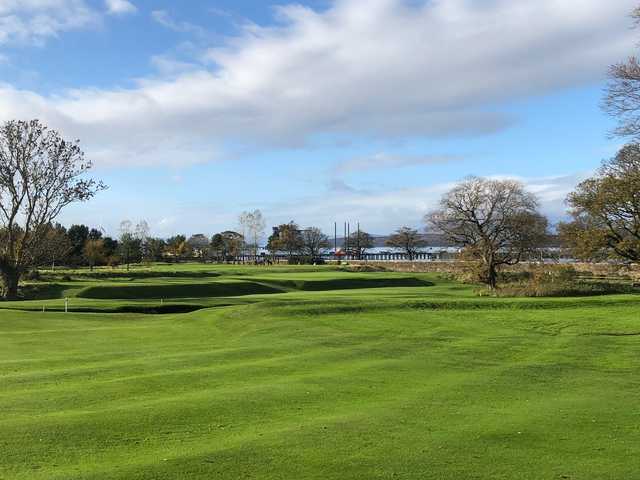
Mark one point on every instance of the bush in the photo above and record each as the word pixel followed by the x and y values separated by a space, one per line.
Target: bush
pixel 515 277
pixel 555 281
pixel 31 276
pixel 564 289
pixel 365 268
pixel 306 260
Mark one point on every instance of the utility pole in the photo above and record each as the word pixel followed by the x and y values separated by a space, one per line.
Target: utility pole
pixel 344 241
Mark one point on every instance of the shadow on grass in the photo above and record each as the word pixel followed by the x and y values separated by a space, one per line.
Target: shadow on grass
pixel 207 290
pixel 187 290
pixel 102 275
pixel 352 283
pixel 147 310
pixel 42 291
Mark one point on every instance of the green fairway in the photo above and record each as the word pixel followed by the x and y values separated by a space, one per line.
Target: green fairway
pixel 314 373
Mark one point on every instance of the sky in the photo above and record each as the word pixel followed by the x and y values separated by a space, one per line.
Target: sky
pixel 317 111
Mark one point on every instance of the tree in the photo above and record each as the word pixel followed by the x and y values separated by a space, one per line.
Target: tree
pixel 176 246
pixel 227 245
pixel 622 98
pixel 497 222
pixel 78 236
pixel 359 243
pixel 94 252
pixel 286 238
pixel 94 234
pixel 199 245
pixel 244 221
pixel 217 247
pixel 408 240
pixel 111 248
pixel 606 210
pixel 253 225
pixel 155 249
pixel 314 242
pixel 130 243
pixel 40 175
pixel 141 234
pixel 57 245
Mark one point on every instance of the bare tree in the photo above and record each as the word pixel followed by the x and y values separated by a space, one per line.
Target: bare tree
pixel 408 240
pixel 244 221
pixel 252 225
pixel 141 234
pixel 622 99
pixel 256 230
pixel 314 242
pixel 40 175
pixel 496 221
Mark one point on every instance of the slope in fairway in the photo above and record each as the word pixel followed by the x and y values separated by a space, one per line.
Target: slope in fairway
pixel 413 380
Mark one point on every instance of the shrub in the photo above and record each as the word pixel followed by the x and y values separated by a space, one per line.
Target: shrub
pixel 365 268
pixel 32 276
pixel 565 289
pixel 305 260
pixel 557 281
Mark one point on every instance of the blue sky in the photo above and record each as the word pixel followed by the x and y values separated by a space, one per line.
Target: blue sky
pixel 314 111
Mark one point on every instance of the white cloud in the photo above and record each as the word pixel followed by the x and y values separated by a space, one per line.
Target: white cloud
pixel 381 212
pixel 387 161
pixel 34 21
pixel 120 7
pixel 390 69
pixel 165 19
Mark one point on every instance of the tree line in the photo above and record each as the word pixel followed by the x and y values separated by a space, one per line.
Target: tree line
pixel 496 223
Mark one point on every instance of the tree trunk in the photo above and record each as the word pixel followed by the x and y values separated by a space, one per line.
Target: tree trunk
pixel 11 279
pixel 492 276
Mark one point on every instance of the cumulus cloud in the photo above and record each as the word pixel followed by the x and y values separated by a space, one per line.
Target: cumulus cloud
pixel 390 69
pixel 120 7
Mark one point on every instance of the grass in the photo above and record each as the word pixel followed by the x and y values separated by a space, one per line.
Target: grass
pixel 315 373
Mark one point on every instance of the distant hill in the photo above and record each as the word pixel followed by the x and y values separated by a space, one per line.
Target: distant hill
pixel 439 240
pixel 432 239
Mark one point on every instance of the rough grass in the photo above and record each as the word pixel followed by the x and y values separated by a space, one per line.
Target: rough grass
pixel 403 381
